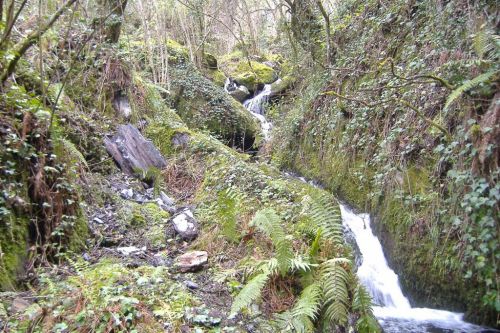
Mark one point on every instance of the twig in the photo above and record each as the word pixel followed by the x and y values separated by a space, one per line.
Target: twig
pixel 428 120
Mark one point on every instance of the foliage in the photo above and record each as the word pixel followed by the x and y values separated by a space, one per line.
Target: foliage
pixel 228 205
pixel 269 223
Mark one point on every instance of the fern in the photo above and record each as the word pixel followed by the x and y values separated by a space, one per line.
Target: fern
pixel 362 303
pixel 287 322
pixel 335 279
pixel 486 44
pixel 468 85
pixel 250 292
pixel 300 263
pixel 309 303
pixel 70 149
pixel 327 216
pixel 228 202
pixel 268 222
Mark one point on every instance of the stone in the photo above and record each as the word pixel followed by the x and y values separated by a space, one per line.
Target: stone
pixel 191 261
pixel 192 285
pixel 127 193
pixel 19 305
pixel 129 250
pixel 241 93
pixel 98 220
pixel 180 140
pixel 185 225
pixel 209 61
pixel 166 203
pixel 131 151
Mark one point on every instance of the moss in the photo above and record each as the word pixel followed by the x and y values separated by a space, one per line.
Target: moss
pixel 202 105
pixel 253 74
pixel 13 248
pixel 176 52
pixel 217 76
pixel 209 61
pixel 285 83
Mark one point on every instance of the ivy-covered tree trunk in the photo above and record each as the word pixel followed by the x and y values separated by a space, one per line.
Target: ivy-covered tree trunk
pixel 305 26
pixel 114 11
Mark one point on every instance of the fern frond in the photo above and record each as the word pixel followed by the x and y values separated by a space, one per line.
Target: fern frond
pixel 335 279
pixel 70 149
pixel 268 222
pixel 300 263
pixel 250 292
pixel 287 322
pixel 362 302
pixel 309 303
pixel 468 85
pixel 228 202
pixel 326 214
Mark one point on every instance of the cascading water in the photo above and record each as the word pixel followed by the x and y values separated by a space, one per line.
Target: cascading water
pixel 392 308
pixel 256 106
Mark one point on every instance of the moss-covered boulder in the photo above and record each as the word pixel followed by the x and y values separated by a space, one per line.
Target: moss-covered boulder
pixel 280 86
pixel 203 105
pixel 252 74
pixel 209 61
pixel 176 52
pixel 216 76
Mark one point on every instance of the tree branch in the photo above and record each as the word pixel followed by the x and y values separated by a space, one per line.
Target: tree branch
pixel 23 46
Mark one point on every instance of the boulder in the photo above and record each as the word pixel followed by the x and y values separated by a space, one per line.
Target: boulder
pixel 131 151
pixel 185 225
pixel 191 261
pixel 280 86
pixel 209 61
pixel 241 93
pixel 252 74
pixel 203 105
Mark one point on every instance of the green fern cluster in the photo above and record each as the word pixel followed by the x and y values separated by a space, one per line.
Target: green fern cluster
pixel 228 203
pixel 330 291
pixel 269 223
pixel 487 47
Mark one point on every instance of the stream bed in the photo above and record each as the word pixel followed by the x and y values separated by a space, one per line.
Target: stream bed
pixel 391 307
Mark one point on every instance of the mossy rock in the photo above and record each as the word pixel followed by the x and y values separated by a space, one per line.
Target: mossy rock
pixel 252 74
pixel 217 77
pixel 203 105
pixel 14 248
pixel 176 52
pixel 280 86
pixel 209 61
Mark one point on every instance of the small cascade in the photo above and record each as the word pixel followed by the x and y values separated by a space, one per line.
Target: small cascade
pixel 256 106
pixel 392 308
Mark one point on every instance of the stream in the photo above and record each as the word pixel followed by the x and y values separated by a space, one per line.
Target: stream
pixel 391 307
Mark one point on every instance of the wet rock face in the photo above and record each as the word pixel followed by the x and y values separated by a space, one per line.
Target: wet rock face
pixel 241 93
pixel 121 106
pixel 191 261
pixel 186 225
pixel 131 151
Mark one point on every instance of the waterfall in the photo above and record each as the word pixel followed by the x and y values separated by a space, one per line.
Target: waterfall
pixel 392 308
pixel 256 106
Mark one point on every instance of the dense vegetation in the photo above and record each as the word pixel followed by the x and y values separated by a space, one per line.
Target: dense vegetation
pixel 393 107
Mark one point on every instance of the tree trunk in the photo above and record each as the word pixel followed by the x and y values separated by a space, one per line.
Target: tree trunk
pixel 113 28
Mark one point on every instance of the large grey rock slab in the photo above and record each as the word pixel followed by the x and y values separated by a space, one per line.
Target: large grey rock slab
pixel 132 151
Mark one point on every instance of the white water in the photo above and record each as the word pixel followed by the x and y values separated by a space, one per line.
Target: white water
pixel 256 106
pixel 392 308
